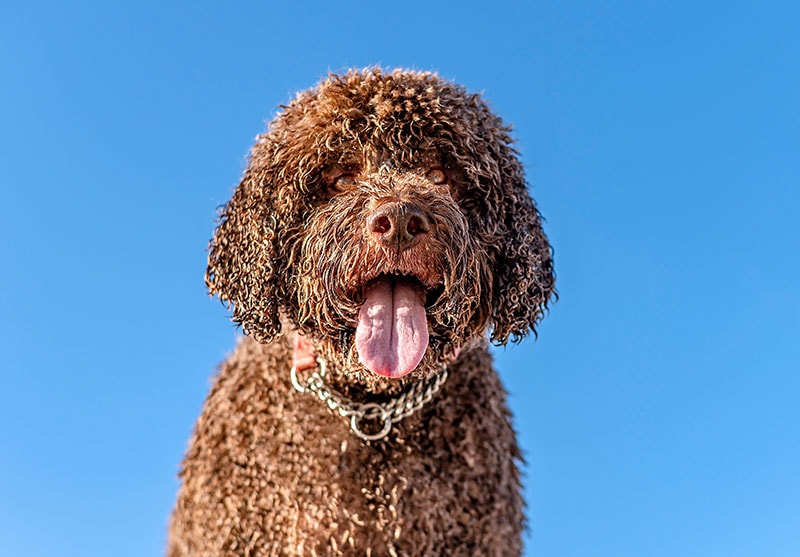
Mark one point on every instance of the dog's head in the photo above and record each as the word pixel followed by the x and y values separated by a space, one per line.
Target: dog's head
pixel 386 216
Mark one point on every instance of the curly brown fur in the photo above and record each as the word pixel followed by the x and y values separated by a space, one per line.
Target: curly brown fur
pixel 271 471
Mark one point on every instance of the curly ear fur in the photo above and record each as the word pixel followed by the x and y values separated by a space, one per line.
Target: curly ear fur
pixel 241 260
pixel 503 216
pixel 524 277
pixel 249 255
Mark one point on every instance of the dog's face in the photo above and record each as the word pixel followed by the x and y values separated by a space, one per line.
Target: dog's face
pixel 386 217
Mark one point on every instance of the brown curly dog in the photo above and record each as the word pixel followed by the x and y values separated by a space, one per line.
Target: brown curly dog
pixel 381 236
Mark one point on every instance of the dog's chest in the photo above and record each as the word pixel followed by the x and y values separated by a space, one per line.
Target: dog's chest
pixel 287 473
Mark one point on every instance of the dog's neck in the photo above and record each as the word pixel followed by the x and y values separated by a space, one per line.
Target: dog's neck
pixel 304 356
pixel 377 415
pixel 306 360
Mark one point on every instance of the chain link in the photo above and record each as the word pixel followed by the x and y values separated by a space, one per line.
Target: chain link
pixel 389 412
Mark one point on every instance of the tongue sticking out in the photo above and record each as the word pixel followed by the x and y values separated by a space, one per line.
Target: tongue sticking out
pixel 392 331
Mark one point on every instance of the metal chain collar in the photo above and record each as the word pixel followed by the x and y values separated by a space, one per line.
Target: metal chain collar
pixel 389 412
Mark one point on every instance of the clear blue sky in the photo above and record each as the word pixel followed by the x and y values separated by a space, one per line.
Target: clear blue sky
pixel 658 410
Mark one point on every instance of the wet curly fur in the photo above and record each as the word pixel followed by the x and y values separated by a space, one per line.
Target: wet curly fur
pixel 270 471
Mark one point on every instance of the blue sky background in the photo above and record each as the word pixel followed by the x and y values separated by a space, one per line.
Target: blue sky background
pixel 658 410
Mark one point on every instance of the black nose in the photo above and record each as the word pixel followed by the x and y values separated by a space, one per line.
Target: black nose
pixel 398 224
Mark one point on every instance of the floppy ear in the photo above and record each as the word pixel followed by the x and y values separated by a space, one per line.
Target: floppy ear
pixel 242 257
pixel 524 278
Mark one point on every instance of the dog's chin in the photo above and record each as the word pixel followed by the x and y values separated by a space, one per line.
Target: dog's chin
pixel 430 364
pixel 346 371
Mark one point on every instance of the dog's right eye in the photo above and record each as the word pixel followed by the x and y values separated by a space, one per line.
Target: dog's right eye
pixel 339 178
pixel 342 183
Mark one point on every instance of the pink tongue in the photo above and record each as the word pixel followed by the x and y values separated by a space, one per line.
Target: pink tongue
pixel 392 331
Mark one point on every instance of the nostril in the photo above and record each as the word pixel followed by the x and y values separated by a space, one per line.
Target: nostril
pixel 417 225
pixel 381 224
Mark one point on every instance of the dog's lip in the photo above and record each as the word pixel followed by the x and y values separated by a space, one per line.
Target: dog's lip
pixel 432 291
pixel 394 277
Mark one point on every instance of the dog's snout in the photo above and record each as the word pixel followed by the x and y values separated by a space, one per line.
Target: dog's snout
pixel 398 224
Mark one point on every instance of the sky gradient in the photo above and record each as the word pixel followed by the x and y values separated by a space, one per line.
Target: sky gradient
pixel 658 409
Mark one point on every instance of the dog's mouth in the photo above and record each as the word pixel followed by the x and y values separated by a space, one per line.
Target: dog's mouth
pixel 392 327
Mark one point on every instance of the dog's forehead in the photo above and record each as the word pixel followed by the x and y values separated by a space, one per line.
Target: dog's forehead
pixel 424 158
pixel 370 159
pixel 381 117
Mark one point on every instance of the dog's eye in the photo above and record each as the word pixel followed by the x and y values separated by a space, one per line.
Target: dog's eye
pixel 437 176
pixel 342 182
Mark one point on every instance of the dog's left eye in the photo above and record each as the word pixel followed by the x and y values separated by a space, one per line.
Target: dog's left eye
pixel 437 176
